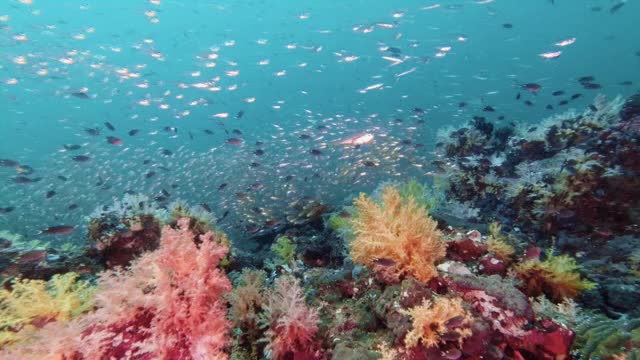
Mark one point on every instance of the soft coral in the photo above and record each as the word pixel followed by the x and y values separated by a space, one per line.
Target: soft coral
pixel 292 325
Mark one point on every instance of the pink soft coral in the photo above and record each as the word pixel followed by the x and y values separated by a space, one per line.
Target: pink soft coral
pixel 168 305
pixel 292 325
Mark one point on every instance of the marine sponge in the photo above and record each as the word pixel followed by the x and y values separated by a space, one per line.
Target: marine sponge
pixel 557 277
pixel 33 303
pixel 396 231
pixel 438 321
pixel 291 323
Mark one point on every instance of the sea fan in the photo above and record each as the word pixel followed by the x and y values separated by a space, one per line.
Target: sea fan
pixel 396 231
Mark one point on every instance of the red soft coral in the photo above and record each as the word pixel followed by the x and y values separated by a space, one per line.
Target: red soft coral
pixel 292 325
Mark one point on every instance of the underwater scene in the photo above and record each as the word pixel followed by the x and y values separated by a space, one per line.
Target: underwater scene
pixel 315 180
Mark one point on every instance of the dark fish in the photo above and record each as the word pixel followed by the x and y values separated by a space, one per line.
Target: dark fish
pixel 160 198
pixel 462 104
pixel 222 186
pixel 172 129
pixel 406 142
pixel 259 152
pixel 384 262
pixel 259 143
pixel 165 193
pixel 288 178
pixel 33 256
pixel 224 215
pixel 208 132
pixel 206 207
pixel 25 169
pixel 549 107
pixel 92 131
pixel 593 108
pixel 50 194
pixel 255 164
pixel 528 103
pixel 150 174
pixel 234 141
pixel 241 196
pixel 239 114
pixel 190 135
pixel 616 7
pixel 109 126
pixel 24 180
pixel 563 102
pixel 518 96
pixel 236 132
pixel 80 95
pixel 164 168
pixel 114 140
pixel 146 162
pixel 166 152
pixel 591 86
pixel 507 26
pixel 532 87
pixel 8 163
pixel 315 152
pixel 586 79
pixel 418 111
pixel 6 210
pixel 62 177
pixel 489 109
pixel 304 137
pixel 369 163
pixel 71 147
pixel 72 206
pixel 557 93
pixel 575 96
pixel 394 50
pixel 57 230
pixel 133 132
pixel 81 158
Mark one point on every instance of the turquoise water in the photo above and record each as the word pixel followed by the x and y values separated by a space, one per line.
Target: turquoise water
pixel 123 57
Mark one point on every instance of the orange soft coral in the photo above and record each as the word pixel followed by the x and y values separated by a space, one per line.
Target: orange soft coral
pixel 399 232
pixel 557 277
pixel 437 322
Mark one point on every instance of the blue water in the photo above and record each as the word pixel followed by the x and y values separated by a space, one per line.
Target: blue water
pixel 308 40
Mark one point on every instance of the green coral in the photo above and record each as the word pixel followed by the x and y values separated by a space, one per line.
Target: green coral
pixel 599 337
pixel 285 250
pixel 423 195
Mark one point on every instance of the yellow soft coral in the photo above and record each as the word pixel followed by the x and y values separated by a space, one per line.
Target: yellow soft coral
pixel 497 243
pixel 432 320
pixel 557 277
pixel 35 302
pixel 399 231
